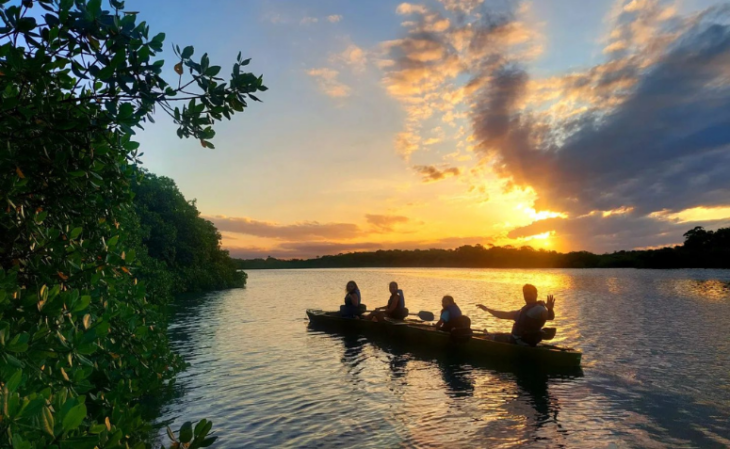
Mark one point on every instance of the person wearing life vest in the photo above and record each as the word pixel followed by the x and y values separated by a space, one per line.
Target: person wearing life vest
pixel 351 308
pixel 396 308
pixel 529 320
pixel 451 316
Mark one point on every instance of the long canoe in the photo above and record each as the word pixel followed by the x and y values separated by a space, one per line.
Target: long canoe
pixel 480 347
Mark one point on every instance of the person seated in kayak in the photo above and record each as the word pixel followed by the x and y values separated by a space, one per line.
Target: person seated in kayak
pixel 396 308
pixel 529 320
pixel 351 308
pixel 451 316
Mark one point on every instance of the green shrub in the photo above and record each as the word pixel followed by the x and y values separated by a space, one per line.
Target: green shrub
pixel 187 245
pixel 81 339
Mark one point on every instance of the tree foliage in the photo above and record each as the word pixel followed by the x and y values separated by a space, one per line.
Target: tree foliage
pixel 701 249
pixel 81 341
pixel 188 246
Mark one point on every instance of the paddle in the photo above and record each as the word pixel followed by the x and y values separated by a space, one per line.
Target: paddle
pixel 423 315
pixel 548 333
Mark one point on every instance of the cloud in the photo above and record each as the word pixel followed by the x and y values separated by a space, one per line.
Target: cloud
pixel 290 250
pixel 430 173
pixel 386 223
pixel 406 143
pixel 279 19
pixel 646 130
pixel 615 232
pixel 461 6
pixel 353 56
pixel 425 69
pixel 328 82
pixel 298 231
pixel 661 144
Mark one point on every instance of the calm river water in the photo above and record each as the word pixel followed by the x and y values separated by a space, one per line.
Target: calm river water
pixel 656 363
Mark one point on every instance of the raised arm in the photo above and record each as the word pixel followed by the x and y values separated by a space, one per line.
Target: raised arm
pixel 499 314
pixel 550 307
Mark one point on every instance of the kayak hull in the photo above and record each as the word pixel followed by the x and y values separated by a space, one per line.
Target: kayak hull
pixel 479 348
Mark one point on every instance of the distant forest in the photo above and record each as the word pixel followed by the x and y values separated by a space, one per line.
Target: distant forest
pixel 701 249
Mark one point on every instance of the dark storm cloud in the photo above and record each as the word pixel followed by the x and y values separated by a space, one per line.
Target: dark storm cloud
pixel 664 147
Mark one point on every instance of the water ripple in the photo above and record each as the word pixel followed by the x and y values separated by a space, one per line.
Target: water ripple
pixel 656 364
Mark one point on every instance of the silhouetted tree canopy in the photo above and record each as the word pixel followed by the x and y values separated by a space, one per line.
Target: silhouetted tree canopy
pixel 186 244
pixel 701 249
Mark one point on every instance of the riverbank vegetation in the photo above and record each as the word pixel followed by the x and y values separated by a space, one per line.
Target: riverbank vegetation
pixel 84 273
pixel 184 248
pixel 701 249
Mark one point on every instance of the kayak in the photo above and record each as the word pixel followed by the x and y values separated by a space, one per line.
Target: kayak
pixel 480 347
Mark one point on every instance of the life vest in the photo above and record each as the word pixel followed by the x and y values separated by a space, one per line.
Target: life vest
pixel 526 325
pixel 348 300
pixel 400 298
pixel 454 311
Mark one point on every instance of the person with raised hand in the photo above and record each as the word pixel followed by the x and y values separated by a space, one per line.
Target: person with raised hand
pixel 529 320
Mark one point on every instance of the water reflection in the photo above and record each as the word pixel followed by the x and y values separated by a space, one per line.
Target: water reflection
pixel 655 346
pixel 535 386
pixel 504 392
pixel 458 380
pixel 353 346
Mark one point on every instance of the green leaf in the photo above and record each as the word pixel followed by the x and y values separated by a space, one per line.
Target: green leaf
pixel 14 381
pixel 97 428
pixel 86 442
pixel 74 417
pixel 25 24
pixel 200 425
pixel 125 111
pixel 33 407
pixel 20 443
pixel 186 432
pixel 208 441
pixel 187 52
pixel 76 232
pixel 113 241
pixel 81 304
pixel 18 344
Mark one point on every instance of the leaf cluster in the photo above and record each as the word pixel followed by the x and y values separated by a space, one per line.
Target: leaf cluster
pixel 82 339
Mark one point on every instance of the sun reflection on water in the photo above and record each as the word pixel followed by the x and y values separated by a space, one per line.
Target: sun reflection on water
pixel 655 364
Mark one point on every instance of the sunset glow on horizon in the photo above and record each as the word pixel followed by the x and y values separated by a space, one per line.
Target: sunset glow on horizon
pixel 563 125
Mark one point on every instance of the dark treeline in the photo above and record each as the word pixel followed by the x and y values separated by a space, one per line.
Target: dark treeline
pixel 701 249
pixel 184 248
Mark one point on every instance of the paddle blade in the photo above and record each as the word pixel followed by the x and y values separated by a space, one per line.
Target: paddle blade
pixel 548 333
pixel 425 315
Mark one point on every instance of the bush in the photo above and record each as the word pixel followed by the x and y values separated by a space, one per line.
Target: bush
pixel 186 245
pixel 81 339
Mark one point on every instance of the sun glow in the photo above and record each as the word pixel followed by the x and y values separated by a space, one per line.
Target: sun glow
pixel 542 215
pixel 695 214
pixel 539 239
